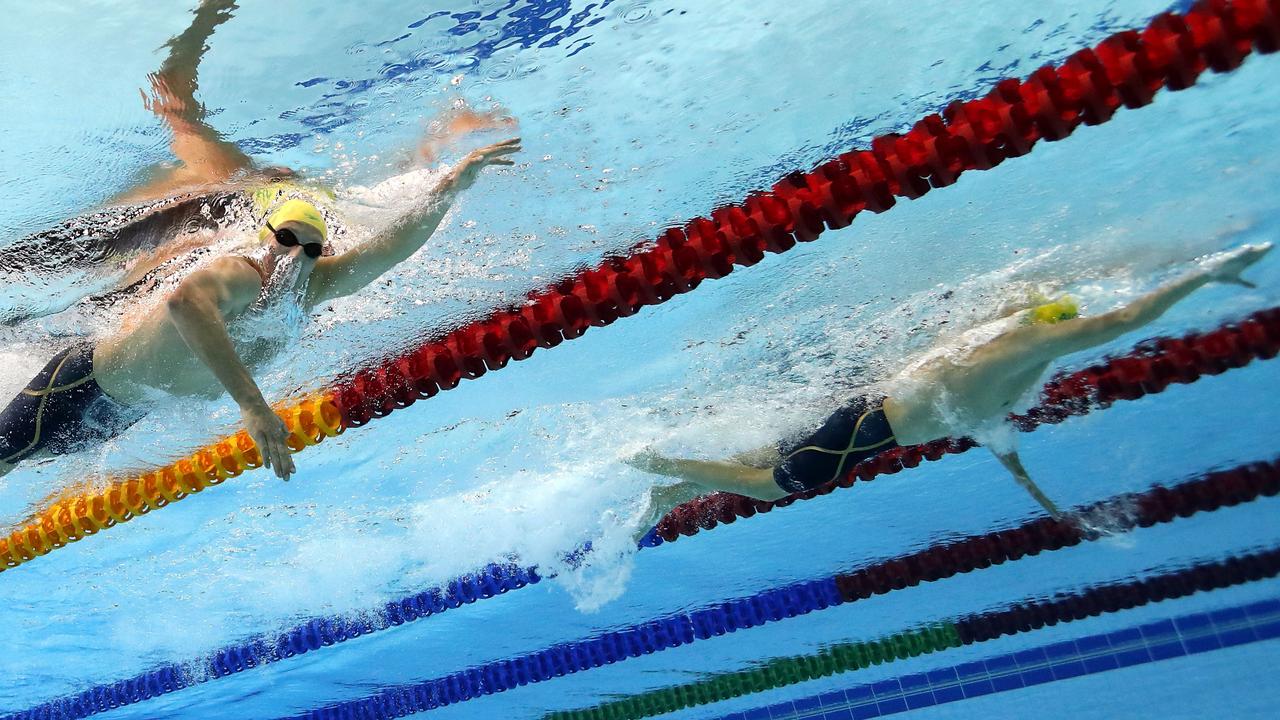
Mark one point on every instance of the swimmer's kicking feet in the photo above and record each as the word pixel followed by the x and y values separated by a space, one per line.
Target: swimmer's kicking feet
pixel 951 391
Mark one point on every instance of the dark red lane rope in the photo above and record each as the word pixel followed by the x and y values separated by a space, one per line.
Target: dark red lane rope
pixel 1120 514
pixel 1126 69
pixel 1114 597
pixel 1149 369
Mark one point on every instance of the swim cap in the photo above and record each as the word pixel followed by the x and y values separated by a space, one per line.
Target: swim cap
pixel 299 211
pixel 1064 308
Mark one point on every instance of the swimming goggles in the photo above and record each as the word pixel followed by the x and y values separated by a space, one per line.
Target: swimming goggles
pixel 288 238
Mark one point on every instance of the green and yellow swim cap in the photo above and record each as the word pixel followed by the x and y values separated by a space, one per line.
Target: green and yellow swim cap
pixel 1064 308
pixel 299 211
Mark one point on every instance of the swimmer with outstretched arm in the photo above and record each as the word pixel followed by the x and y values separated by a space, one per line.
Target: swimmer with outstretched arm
pixel 950 392
pixel 227 318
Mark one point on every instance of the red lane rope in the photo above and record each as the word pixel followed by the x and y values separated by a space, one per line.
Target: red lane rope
pixel 1126 69
pixel 1150 369
pixel 1161 504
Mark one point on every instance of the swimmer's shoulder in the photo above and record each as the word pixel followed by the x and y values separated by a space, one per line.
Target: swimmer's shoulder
pixel 236 277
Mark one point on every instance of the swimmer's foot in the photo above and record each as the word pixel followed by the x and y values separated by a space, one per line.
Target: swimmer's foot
pixel 662 500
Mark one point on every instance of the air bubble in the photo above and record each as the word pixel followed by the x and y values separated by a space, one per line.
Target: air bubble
pixel 635 14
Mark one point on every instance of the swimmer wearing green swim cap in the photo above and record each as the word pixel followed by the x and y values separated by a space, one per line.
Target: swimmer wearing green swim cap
pixel 227 318
pixel 959 389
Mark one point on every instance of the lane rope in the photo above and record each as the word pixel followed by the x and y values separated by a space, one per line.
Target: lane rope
pixel 1123 513
pixel 1124 70
pixel 1149 369
pixel 1025 616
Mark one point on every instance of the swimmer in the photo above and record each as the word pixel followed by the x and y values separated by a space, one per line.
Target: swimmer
pixel 234 314
pixel 952 391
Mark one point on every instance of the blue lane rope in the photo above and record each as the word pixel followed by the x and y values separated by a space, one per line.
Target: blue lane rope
pixel 604 649
pixel 1159 505
pixel 491 581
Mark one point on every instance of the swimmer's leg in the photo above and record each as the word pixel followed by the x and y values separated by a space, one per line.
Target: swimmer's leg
pixel 1013 464
pixel 714 475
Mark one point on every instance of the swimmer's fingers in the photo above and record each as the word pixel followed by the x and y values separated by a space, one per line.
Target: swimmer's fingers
pixel 1226 267
pixel 270 434
pixel 496 150
pixel 476 160
pixel 282 461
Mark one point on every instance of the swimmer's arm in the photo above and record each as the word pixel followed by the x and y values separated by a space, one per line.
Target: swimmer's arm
pixel 1013 464
pixel 347 273
pixel 198 309
pixel 1047 342
pixel 205 156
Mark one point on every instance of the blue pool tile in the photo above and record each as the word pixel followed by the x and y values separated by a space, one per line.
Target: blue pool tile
pixel 913 683
pixel 1101 663
pixel 735 716
pixel 1035 676
pixel 971 670
pixel 977 688
pixel 1069 669
pixel 831 699
pixel 859 695
pixel 1194 623
pixel 844 714
pixel 920 700
pixel 1093 644
pixel 887 688
pixel 1267 630
pixel 1032 658
pixel 1001 665
pixel 1164 651
pixel 782 711
pixel 1201 643
pixel 1262 609
pixel 1058 652
pixel 1156 632
pixel 865 712
pixel 1011 681
pixel 1228 616
pixel 892 705
pixel 761 713
pixel 1239 636
pixel 1133 657
pixel 942 676
pixel 948 693
pixel 1127 637
pixel 806 705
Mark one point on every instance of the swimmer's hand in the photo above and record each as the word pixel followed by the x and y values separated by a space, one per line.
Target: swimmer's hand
pixel 269 434
pixel 1225 267
pixel 468 169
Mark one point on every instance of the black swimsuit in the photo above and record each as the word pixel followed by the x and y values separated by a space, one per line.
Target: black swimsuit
pixel 62 410
pixel 852 434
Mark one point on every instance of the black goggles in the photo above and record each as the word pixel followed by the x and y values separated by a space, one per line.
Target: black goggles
pixel 288 238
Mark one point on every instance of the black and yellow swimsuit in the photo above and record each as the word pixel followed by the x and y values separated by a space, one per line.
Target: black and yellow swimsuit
pixel 61 410
pixel 852 434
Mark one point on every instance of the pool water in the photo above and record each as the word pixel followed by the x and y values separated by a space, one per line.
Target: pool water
pixel 636 116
